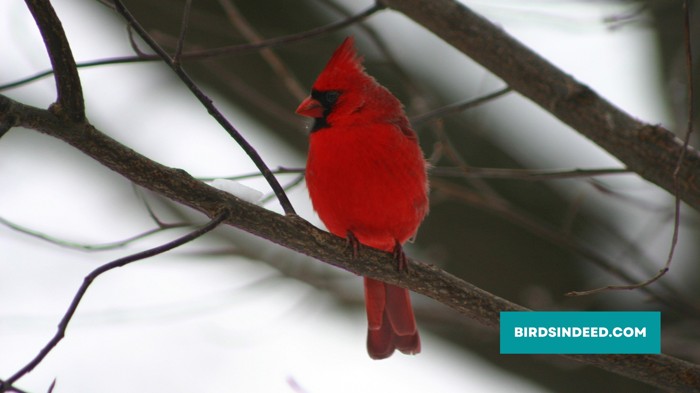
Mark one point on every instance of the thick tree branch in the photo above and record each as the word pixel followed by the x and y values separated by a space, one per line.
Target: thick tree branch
pixel 294 233
pixel 69 102
pixel 650 150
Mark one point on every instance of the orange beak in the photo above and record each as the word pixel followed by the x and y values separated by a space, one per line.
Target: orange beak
pixel 311 108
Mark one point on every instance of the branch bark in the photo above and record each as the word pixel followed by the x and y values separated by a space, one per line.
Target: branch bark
pixel 650 150
pixel 70 93
pixel 293 232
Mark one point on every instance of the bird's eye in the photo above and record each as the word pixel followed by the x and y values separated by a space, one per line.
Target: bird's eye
pixel 327 98
pixel 331 96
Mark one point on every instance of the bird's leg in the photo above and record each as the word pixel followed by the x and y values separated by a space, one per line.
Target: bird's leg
pixel 352 243
pixel 399 257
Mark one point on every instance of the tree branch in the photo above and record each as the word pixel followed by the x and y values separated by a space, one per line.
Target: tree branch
pixel 70 94
pixel 650 150
pixel 296 234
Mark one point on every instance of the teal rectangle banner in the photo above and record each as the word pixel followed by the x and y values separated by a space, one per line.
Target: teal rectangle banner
pixel 580 332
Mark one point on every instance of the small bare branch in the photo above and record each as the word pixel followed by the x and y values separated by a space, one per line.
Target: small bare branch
pixel 183 32
pixel 290 185
pixel 638 285
pixel 279 171
pixel 458 107
pixel 524 174
pixel 82 246
pixel 619 20
pixel 70 312
pixel 87 64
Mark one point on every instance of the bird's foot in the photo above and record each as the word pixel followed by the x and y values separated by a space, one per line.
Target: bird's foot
pixel 399 257
pixel 352 243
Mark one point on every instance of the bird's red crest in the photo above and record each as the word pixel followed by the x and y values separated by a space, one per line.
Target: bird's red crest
pixel 343 69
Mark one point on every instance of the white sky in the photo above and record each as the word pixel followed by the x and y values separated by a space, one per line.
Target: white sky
pixel 170 325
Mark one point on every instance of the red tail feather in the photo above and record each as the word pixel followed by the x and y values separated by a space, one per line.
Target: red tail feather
pixel 399 310
pixel 391 323
pixel 375 302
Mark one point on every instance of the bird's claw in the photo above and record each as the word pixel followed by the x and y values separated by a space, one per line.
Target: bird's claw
pixel 400 257
pixel 352 243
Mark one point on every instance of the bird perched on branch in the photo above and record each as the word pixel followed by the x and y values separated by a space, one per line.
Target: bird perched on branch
pixel 367 181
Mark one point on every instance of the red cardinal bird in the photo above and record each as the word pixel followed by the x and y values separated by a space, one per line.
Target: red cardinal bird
pixel 367 181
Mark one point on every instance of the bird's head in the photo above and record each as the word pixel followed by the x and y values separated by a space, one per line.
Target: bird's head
pixel 344 91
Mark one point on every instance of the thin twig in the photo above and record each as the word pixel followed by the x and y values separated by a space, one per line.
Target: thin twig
pixel 151 213
pixel 70 312
pixel 448 149
pixel 619 20
pixel 458 107
pixel 632 250
pixel 638 285
pixel 524 174
pixel 689 76
pixel 478 172
pixel 134 45
pixel 162 226
pixel 211 108
pixel 87 247
pixel 283 72
pixel 87 64
pixel 630 200
pixel 279 171
pixel 287 187
pixel 107 3
pixel 183 32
